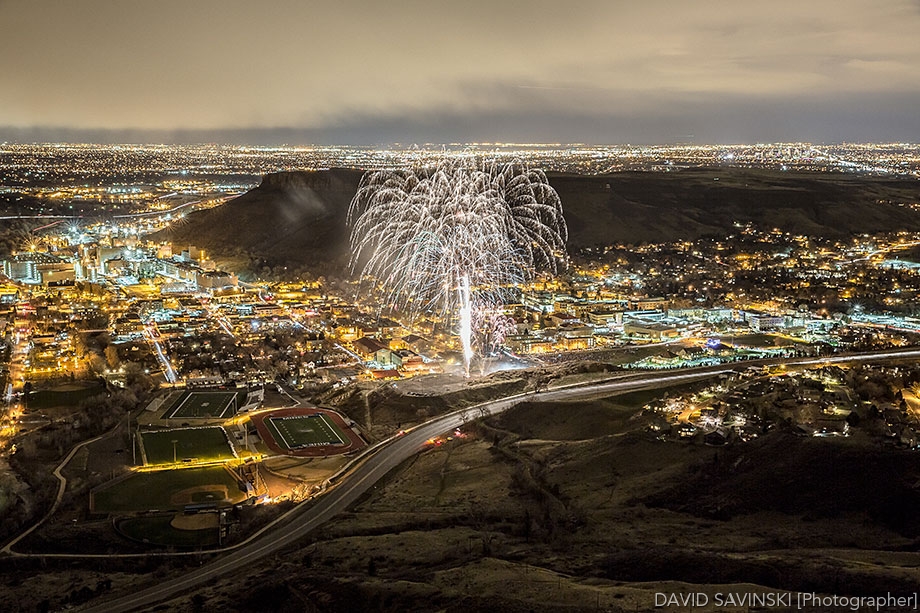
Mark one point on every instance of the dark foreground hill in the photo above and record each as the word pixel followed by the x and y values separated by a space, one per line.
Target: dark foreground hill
pixel 575 507
pixel 298 219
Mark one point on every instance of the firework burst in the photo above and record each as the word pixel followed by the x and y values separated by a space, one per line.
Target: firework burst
pixel 457 238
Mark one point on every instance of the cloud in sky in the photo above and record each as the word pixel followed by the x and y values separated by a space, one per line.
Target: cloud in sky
pixel 342 71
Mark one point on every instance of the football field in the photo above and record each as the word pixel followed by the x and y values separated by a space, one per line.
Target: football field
pixel 202 405
pixel 188 445
pixel 299 431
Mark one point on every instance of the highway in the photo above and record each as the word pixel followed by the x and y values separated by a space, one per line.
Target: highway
pixel 363 478
pixel 349 488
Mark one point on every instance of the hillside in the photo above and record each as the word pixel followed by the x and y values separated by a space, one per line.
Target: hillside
pixel 294 219
pixel 574 507
pixel 633 207
pixel 298 219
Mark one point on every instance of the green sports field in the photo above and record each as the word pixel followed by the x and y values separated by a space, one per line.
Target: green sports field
pixel 157 530
pixel 169 489
pixel 64 395
pixel 299 431
pixel 201 405
pixel 192 445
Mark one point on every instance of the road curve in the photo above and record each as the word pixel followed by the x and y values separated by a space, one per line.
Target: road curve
pixel 307 517
pixel 363 478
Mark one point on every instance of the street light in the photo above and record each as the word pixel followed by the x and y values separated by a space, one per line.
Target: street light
pixel 174 450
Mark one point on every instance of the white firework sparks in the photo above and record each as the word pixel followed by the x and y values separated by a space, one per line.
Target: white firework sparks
pixel 455 239
pixel 492 327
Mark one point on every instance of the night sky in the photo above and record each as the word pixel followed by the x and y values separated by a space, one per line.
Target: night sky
pixel 377 72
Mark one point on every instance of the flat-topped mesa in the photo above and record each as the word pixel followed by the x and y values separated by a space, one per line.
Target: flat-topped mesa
pixel 293 219
pixel 333 179
pixel 299 218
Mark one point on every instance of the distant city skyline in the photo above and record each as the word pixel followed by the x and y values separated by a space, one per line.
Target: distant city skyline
pixel 367 73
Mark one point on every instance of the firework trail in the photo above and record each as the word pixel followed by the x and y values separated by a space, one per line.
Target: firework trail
pixel 492 326
pixel 455 239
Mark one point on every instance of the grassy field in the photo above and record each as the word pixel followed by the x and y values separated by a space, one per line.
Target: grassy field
pixel 167 489
pixel 158 530
pixel 305 431
pixel 202 405
pixel 569 421
pixel 64 395
pixel 191 444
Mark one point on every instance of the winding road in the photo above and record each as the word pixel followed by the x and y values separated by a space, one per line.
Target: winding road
pixel 385 457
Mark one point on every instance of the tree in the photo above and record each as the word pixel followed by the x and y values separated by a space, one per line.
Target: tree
pixel 198 602
pixel 111 357
pixel 96 363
